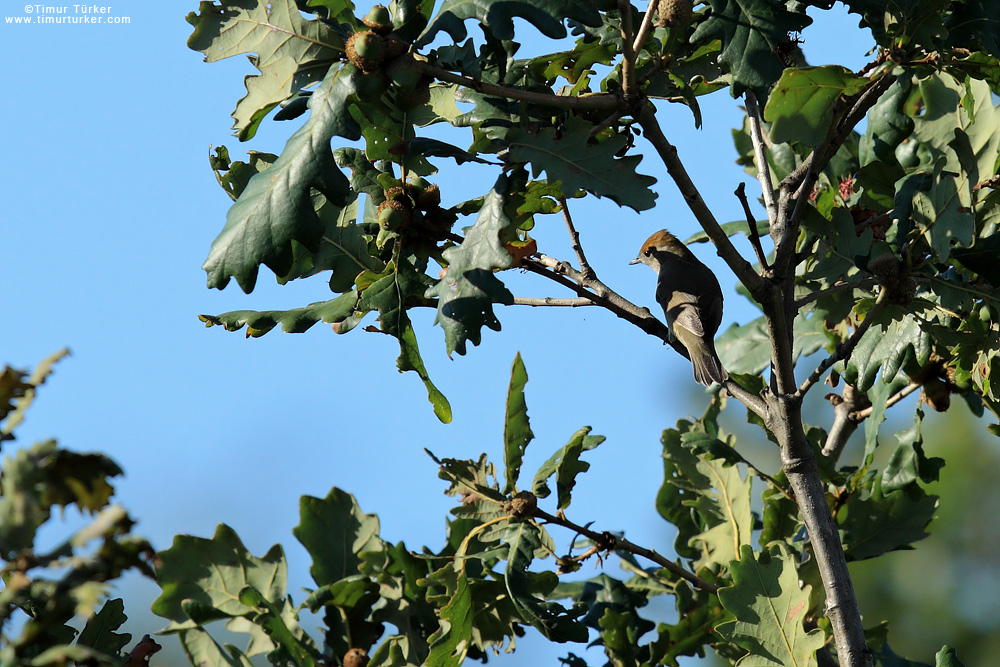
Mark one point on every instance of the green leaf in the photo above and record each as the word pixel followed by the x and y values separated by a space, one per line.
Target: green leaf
pixel 901 23
pixel 892 336
pixel 524 540
pixel 296 320
pixel 909 463
pixel 276 208
pixel 730 228
pixel 41 477
pixel 981 258
pixel 450 644
pixel 727 502
pixel 885 522
pixel 201 649
pixel 343 249
pixel 289 50
pixel 800 107
pixel 410 360
pixel 18 390
pixel 888 125
pixel 565 464
pixel 469 289
pixel 335 532
pixel 516 429
pixel 747 348
pixel 233 177
pixel 99 632
pixel 769 608
pixel 288 648
pixel 568 156
pixel 947 657
pixel 752 32
pixel 497 17
pixel 212 573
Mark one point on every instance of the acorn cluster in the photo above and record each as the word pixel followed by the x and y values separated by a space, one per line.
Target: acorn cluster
pixel 382 58
pixel 889 271
pixel 413 210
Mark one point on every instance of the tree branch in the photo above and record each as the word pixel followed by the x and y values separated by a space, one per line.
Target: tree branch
pixel 646 27
pixel 760 153
pixel 744 271
pixel 611 542
pixel 587 272
pixel 594 102
pixel 741 194
pixel 552 301
pixel 628 53
pixel 864 414
pixel 844 425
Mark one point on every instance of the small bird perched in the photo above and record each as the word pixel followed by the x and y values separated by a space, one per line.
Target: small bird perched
pixel 692 301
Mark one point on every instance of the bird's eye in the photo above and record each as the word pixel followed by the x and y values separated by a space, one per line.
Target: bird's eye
pixel 648 252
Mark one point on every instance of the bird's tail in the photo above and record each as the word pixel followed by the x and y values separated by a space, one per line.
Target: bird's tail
pixel 707 367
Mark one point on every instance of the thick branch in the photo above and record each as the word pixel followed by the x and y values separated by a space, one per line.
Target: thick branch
pixel 844 425
pixel 760 153
pixel 612 542
pixel 668 153
pixel 595 102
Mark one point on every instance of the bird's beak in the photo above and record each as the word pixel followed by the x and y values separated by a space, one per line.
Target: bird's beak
pixel 637 260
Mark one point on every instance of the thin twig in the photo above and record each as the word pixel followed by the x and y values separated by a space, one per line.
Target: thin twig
pixel 845 349
pixel 760 153
pixel 646 27
pixel 862 415
pixel 574 237
pixel 614 543
pixel 552 301
pixel 741 193
pixel 594 102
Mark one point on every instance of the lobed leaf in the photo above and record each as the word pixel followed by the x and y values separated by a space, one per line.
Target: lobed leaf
pixel 276 208
pixel 289 50
pixel 769 608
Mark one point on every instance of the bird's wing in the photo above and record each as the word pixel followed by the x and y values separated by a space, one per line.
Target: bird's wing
pixel 684 315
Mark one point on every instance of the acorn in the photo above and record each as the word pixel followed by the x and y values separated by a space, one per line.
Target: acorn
pixel 674 13
pixel 428 198
pixel 885 268
pixel 379 20
pixel 365 50
pixel 936 394
pixel 394 214
pixel 403 74
pixel 356 657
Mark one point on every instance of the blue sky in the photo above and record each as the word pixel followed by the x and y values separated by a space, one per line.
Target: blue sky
pixel 109 210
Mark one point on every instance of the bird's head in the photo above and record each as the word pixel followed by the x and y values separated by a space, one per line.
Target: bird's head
pixel 656 247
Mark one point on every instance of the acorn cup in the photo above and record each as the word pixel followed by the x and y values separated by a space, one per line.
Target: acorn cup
pixel 365 50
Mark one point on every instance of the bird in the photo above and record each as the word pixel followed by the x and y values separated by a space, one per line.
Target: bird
pixel 691 299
